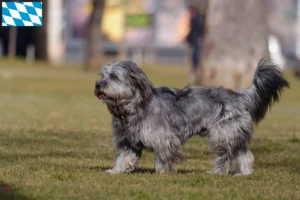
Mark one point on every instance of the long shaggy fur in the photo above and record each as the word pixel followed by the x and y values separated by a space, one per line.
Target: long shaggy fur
pixel 268 84
pixel 162 119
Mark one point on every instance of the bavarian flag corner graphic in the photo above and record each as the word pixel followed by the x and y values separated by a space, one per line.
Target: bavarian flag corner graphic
pixel 22 14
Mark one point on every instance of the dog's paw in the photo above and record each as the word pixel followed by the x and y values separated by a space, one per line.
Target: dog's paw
pixel 241 174
pixel 238 174
pixel 111 171
pixel 165 171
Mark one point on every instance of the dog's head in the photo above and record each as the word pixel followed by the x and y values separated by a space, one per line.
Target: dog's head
pixel 121 82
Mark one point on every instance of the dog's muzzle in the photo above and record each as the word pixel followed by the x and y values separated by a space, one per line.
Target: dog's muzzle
pixel 98 92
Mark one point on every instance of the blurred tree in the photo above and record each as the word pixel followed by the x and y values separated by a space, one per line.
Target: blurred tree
pixel 12 39
pixel 234 42
pixel 40 35
pixel 200 4
pixel 12 43
pixel 93 54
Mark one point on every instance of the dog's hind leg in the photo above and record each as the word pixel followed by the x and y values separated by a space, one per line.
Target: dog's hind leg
pixel 221 164
pixel 228 139
pixel 244 162
pixel 243 157
pixel 126 160
pixel 162 166
pixel 221 146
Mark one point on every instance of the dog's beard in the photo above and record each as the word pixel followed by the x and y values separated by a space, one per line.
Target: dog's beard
pixel 112 96
pixel 101 95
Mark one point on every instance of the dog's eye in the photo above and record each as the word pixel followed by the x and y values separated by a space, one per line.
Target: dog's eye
pixel 115 77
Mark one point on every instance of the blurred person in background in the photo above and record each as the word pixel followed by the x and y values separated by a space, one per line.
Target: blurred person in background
pixel 195 38
pixel 4 40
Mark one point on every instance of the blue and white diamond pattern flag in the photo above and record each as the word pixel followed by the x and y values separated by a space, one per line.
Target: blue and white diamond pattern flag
pixel 22 13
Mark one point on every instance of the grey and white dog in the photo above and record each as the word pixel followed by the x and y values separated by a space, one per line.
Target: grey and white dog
pixel 162 119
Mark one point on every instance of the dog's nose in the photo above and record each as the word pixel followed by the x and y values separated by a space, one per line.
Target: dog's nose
pixel 99 84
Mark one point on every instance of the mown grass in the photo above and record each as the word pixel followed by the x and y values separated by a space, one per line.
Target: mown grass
pixel 55 143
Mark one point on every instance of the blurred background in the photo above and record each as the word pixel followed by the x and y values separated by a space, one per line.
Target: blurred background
pixel 233 35
pixel 56 137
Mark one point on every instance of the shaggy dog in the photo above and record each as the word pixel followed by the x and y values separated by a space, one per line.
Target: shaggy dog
pixel 162 119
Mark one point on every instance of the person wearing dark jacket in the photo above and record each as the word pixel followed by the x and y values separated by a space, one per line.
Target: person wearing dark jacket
pixel 195 38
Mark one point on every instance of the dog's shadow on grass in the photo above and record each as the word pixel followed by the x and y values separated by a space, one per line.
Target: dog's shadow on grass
pixel 144 170
pixel 7 192
pixel 137 171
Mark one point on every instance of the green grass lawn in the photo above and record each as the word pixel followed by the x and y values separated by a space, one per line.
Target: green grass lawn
pixel 56 142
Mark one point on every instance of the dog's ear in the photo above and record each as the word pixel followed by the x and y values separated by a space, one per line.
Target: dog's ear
pixel 140 80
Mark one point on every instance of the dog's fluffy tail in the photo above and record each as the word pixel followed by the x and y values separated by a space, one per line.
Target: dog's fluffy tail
pixel 268 83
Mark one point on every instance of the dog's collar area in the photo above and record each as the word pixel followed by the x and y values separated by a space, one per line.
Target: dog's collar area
pixel 124 121
pixel 121 117
pixel 122 114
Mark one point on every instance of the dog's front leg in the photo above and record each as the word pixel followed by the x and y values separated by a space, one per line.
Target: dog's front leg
pixel 126 160
pixel 167 156
pixel 163 167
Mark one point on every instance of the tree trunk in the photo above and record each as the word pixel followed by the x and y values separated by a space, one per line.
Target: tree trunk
pixel 40 35
pixel 12 44
pixel 235 40
pixel 93 54
pixel 12 39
